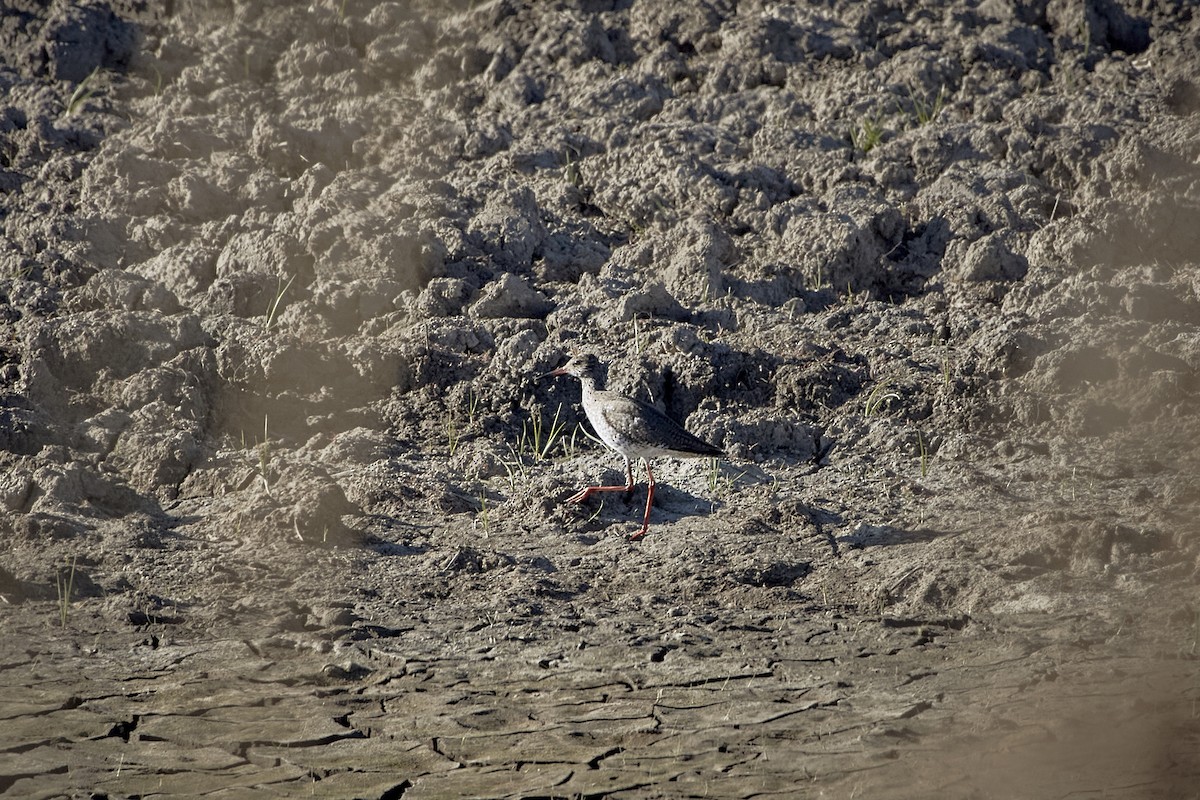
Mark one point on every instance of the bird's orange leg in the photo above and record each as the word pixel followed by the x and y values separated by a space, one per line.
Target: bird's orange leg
pixel 583 494
pixel 649 500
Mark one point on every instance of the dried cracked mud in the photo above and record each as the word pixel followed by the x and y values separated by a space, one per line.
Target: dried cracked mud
pixel 281 487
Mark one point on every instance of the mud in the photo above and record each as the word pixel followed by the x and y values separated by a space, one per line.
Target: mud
pixel 281 484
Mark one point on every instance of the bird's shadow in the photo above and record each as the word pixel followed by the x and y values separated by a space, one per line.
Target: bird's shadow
pixel 606 509
pixel 673 500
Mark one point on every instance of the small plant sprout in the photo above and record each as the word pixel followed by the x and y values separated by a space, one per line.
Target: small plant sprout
pixel 452 431
pixel 570 445
pixel 571 167
pixel 264 459
pixel 472 407
pixel 66 585
pixel 924 454
pixel 280 291
pixel 514 469
pixel 536 439
pixel 815 278
pixel 880 395
pixel 482 518
pixel 450 424
pixel 83 92
pixel 596 513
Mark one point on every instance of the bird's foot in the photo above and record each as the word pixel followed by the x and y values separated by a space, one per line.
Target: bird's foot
pixel 637 537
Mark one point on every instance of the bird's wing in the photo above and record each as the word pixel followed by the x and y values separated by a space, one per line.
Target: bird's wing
pixel 643 422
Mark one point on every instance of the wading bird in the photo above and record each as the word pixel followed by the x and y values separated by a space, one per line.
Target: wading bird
pixel 633 428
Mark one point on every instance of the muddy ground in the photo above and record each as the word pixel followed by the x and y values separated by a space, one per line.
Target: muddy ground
pixel 280 493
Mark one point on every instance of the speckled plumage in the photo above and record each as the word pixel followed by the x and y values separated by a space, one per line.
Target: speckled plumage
pixel 631 427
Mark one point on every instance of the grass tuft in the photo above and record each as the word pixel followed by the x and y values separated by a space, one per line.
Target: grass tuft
pixel 515 470
pixel 878 397
pixel 927 111
pixel 280 291
pixel 714 476
pixel 452 431
pixel 536 439
pixel 868 134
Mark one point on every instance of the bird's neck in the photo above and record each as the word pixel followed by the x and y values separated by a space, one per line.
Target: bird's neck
pixel 590 385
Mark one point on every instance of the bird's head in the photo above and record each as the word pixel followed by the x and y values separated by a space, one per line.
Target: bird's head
pixel 584 366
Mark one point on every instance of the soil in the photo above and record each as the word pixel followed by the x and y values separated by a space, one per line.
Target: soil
pixel 281 481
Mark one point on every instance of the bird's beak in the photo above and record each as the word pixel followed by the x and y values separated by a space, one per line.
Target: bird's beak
pixel 554 372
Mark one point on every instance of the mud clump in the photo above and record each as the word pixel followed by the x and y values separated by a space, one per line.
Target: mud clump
pixel 280 484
